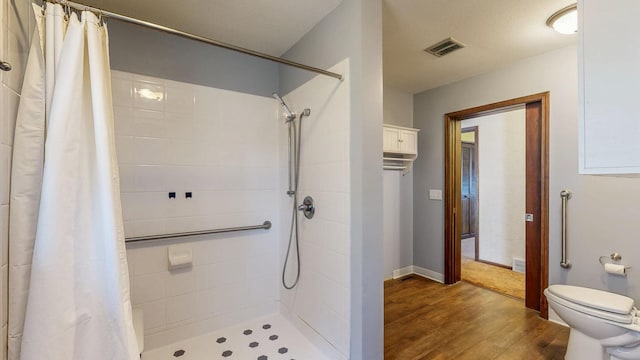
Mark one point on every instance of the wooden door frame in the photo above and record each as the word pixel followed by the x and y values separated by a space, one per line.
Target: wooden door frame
pixel 540 255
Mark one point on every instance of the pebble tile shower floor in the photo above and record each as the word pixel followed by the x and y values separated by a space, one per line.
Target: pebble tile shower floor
pixel 268 338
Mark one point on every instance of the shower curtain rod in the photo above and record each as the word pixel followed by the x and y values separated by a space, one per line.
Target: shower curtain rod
pixel 205 40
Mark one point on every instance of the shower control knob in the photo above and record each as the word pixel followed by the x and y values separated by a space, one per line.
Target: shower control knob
pixel 5 66
pixel 307 207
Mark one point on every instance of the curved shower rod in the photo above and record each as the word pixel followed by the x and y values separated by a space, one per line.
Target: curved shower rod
pixel 199 38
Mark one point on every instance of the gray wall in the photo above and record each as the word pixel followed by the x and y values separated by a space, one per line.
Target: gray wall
pixel 354 30
pixel 150 52
pixel 604 209
pixel 398 107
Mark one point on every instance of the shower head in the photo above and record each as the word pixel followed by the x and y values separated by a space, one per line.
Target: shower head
pixel 290 115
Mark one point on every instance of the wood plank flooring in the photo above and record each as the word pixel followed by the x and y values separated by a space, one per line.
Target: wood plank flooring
pixel 493 278
pixel 428 320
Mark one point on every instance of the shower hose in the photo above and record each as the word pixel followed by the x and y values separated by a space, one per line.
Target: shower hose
pixel 295 138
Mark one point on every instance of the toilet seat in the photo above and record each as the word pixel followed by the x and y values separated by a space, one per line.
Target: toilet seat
pixel 601 304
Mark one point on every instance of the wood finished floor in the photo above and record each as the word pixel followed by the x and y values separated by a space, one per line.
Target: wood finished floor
pixel 493 278
pixel 424 319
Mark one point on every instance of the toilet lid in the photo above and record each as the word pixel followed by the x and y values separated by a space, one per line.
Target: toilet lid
pixel 593 298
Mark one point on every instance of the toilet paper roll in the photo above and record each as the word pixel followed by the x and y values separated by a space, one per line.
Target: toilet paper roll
pixel 615 269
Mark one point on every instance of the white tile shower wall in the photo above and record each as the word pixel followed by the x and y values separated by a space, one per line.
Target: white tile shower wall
pixel 221 146
pixel 17 25
pixel 322 296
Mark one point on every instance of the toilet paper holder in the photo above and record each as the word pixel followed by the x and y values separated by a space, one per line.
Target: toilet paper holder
pixel 615 258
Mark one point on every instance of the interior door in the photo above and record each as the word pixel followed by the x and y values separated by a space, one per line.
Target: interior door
pixel 469 188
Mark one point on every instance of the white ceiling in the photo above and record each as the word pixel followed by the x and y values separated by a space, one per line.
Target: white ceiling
pixel 496 32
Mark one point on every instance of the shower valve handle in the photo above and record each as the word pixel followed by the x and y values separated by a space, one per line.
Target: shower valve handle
pixel 307 207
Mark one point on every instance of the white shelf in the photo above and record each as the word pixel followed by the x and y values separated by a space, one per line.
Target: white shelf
pixel 396 159
pixel 393 167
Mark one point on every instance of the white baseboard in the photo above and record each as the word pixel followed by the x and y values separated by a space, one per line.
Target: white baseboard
pixel 403 272
pixel 429 274
pixel 417 270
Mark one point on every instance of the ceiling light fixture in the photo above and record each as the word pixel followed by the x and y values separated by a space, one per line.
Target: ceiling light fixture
pixel 565 21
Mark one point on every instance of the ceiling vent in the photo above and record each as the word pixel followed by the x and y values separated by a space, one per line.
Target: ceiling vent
pixel 444 47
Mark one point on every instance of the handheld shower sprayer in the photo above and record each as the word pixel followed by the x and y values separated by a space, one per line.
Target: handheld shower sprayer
pixel 295 139
pixel 290 114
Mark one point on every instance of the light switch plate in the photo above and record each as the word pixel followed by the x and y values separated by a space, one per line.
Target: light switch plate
pixel 435 194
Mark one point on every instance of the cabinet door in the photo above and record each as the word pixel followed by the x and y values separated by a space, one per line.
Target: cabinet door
pixel 408 142
pixel 609 84
pixel 390 140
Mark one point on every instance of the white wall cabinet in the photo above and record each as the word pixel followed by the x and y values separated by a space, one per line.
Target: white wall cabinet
pixel 400 147
pixel 609 84
pixel 400 140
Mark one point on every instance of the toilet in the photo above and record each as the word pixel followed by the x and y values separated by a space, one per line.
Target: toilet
pixel 603 325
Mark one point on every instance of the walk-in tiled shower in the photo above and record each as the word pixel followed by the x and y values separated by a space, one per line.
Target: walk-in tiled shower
pixel 194 157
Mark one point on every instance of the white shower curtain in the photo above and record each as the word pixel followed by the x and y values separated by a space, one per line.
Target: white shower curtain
pixel 69 286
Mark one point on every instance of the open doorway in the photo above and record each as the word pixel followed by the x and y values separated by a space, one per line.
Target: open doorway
pixel 492 231
pixel 536 109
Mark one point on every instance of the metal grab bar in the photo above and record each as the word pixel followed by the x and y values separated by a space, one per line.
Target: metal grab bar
pixel 565 195
pixel 266 226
